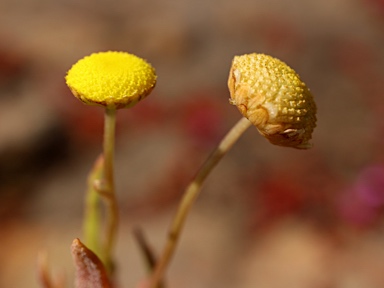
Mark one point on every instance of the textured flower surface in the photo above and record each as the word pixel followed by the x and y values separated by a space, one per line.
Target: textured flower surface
pixel 112 79
pixel 272 96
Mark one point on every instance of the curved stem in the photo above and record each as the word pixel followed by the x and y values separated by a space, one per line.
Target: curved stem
pixel 190 195
pixel 109 185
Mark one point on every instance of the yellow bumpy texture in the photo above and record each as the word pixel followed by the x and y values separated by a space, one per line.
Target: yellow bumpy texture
pixel 271 95
pixel 111 79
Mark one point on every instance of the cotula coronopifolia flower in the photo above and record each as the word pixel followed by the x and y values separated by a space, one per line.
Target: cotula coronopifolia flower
pixel 272 96
pixel 111 79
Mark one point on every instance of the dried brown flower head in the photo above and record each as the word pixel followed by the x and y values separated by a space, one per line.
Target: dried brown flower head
pixel 272 96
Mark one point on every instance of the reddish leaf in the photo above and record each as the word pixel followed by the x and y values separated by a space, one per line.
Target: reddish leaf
pixel 90 271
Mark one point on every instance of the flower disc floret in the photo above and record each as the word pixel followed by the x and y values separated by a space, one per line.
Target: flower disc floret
pixel 111 79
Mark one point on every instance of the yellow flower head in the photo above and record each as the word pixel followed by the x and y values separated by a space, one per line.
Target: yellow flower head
pixel 111 79
pixel 272 96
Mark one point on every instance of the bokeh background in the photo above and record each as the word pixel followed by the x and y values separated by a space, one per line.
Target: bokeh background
pixel 268 216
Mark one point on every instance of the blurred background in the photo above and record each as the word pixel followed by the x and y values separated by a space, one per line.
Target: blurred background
pixel 268 216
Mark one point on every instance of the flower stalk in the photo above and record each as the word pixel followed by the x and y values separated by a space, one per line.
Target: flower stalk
pixel 102 186
pixel 190 195
pixel 108 183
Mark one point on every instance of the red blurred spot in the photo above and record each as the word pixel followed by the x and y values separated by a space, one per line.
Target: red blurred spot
pixel 201 119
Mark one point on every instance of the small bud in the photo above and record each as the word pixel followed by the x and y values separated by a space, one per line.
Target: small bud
pixel 111 79
pixel 90 271
pixel 271 95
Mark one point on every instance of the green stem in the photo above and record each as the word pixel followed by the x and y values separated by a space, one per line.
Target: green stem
pixel 190 195
pixel 92 218
pixel 109 186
